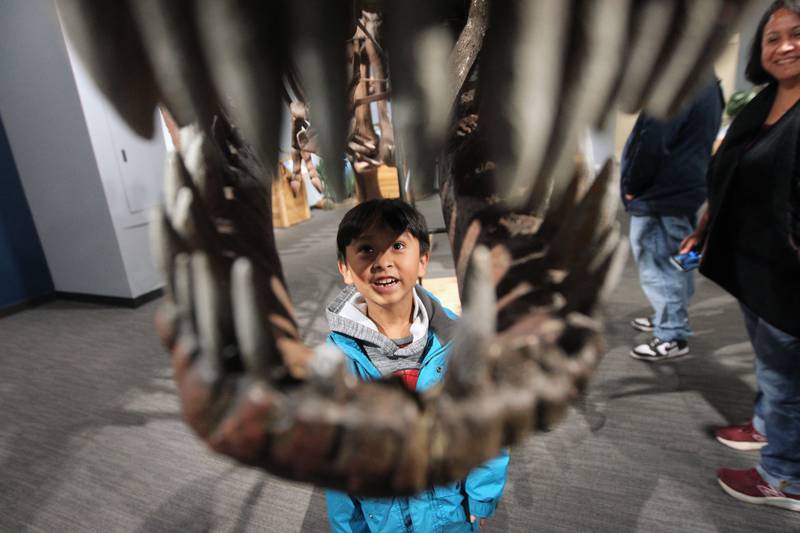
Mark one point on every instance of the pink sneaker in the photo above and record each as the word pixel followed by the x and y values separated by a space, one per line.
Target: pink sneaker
pixel 741 437
pixel 748 486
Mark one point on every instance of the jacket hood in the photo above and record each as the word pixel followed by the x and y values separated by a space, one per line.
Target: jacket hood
pixel 440 320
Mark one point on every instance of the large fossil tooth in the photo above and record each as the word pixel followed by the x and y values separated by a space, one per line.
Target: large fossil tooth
pixel 521 77
pixel 731 13
pixel 590 283
pixel 245 44
pixel 468 364
pixel 256 321
pixel 596 49
pixel 699 23
pixel 578 238
pixel 192 222
pixel 173 46
pixel 195 226
pixel 320 32
pixel 651 26
pixel 184 297
pixel 181 215
pixel 611 271
pixel 421 101
pixel 161 248
pixel 192 140
pixel 561 211
pixel 109 43
pixel 249 325
pixel 165 244
pixel 207 307
pixel 204 165
pixel 175 177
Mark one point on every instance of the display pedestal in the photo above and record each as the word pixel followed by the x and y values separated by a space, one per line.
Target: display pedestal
pixel 288 209
pixel 382 183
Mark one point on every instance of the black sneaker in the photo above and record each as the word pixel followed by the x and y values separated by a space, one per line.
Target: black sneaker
pixel 643 323
pixel 658 350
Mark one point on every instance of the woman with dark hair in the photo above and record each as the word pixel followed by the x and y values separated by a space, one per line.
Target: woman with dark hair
pixel 751 231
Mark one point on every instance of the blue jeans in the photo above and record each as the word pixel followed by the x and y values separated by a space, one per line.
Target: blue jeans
pixel 777 407
pixel 653 240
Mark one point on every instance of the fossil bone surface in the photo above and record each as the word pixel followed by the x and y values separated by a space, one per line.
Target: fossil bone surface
pixel 491 121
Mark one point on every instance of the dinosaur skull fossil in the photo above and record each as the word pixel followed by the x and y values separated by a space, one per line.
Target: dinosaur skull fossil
pixel 488 101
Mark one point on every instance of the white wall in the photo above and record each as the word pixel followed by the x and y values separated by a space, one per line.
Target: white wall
pixel 93 241
pixel 50 142
pixel 132 183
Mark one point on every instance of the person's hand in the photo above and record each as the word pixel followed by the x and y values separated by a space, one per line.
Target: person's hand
pixel 472 519
pixel 691 242
pixel 629 197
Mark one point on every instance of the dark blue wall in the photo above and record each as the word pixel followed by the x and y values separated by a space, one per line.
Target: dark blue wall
pixel 23 268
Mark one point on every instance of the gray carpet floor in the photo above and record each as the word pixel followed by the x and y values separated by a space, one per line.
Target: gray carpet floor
pixel 91 437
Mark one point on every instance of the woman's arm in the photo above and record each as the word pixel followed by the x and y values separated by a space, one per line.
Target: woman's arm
pixel 794 212
pixel 696 238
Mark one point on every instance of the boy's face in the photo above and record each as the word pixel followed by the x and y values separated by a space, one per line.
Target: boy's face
pixel 383 265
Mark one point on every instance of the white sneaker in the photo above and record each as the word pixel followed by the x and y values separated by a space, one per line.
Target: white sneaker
pixel 658 350
pixel 643 323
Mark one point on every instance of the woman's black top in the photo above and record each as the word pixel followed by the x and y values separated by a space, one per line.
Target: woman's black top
pixel 752 201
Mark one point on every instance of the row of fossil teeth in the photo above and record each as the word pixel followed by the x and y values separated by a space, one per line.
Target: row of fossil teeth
pixel 520 300
pixel 194 55
pixel 549 70
pixel 241 306
pixel 556 71
pixel 344 426
pixel 197 280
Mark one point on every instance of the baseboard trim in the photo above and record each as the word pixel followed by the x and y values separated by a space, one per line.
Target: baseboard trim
pixel 27 304
pixel 115 301
pixel 147 297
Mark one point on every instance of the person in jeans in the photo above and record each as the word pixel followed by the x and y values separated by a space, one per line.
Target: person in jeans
pixel 663 185
pixel 751 231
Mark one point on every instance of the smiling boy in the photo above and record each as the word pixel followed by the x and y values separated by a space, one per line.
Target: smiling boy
pixel 387 325
pixel 384 267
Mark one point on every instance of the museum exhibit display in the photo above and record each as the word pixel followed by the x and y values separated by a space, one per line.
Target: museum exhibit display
pixel 483 102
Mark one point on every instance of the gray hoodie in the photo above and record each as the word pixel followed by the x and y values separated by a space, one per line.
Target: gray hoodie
pixel 347 315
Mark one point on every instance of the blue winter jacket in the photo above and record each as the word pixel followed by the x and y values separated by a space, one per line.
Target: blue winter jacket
pixel 664 162
pixel 438 509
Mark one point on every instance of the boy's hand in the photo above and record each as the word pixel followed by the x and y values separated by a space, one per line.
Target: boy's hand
pixel 472 519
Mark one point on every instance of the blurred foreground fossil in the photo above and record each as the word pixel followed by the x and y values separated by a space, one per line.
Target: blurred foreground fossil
pixel 488 101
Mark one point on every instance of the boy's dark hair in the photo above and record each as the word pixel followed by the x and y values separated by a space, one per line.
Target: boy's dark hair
pixel 396 214
pixel 754 71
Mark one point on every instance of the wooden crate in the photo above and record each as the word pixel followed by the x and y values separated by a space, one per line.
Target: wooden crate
pixel 388 183
pixel 288 209
pixel 380 184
